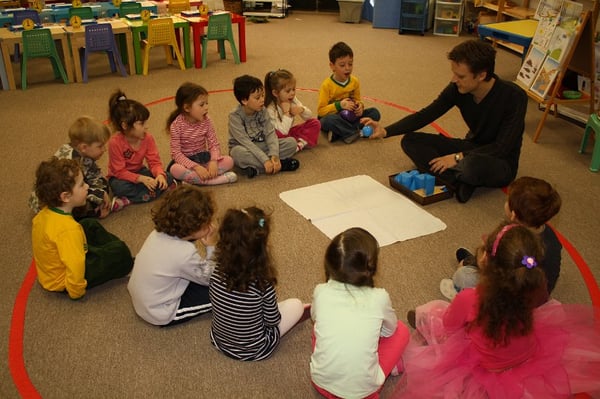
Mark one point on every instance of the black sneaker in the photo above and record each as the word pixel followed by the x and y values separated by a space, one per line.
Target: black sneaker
pixel 250 172
pixel 289 165
pixel 462 254
pixel 464 192
pixel 411 317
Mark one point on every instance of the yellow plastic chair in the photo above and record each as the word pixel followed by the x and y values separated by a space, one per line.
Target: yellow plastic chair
pixel 38 43
pixel 177 6
pixel 220 29
pixel 161 32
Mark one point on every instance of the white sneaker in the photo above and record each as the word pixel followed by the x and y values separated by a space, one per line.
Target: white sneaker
pixel 231 176
pixel 447 288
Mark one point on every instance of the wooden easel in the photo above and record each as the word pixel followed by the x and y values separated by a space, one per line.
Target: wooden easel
pixel 579 59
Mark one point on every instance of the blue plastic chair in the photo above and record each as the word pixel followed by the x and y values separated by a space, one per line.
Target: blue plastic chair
pixel 38 43
pixel 100 38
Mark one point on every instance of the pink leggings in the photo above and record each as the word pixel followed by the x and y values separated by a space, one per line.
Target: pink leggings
pixel 390 352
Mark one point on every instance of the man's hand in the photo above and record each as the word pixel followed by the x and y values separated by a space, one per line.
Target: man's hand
pixel 441 164
pixel 378 131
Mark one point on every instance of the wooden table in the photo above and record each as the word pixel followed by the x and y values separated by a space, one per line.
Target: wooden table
pixel 199 23
pixel 138 27
pixel 77 39
pixel 519 32
pixel 8 39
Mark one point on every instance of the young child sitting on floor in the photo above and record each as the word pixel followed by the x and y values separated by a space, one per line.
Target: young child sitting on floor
pixel 87 144
pixel 253 143
pixel 71 256
pixel 531 202
pixel 169 282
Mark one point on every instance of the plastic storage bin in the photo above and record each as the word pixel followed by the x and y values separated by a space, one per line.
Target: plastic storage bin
pixel 386 14
pixel 350 10
pixel 413 16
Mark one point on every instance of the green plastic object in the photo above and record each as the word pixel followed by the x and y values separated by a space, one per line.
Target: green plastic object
pixel 571 94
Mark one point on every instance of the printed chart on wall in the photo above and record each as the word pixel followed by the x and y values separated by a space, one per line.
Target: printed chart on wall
pixel 558 23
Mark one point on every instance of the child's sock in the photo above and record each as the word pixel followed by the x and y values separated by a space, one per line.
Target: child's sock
pixel 300 145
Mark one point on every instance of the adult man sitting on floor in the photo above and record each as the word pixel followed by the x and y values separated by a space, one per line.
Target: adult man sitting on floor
pixel 494 111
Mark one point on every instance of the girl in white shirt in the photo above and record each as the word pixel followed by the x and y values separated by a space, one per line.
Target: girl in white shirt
pixel 357 339
pixel 283 106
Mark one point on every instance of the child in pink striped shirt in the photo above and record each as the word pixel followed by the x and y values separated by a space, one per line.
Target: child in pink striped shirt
pixel 195 150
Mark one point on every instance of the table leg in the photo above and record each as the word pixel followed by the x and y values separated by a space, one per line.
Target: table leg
pixel 198 31
pixel 10 75
pixel 137 49
pixel 130 52
pixel 186 44
pixel 242 39
pixel 67 54
pixel 76 59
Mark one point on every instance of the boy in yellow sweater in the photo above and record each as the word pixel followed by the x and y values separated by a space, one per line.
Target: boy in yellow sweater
pixel 70 256
pixel 340 107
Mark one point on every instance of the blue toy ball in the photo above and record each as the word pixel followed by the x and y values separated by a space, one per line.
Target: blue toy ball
pixel 367 131
pixel 348 115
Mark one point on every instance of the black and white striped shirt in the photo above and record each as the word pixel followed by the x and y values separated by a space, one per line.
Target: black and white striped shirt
pixel 245 325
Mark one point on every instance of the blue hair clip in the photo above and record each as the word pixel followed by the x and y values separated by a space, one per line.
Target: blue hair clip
pixel 261 222
pixel 529 262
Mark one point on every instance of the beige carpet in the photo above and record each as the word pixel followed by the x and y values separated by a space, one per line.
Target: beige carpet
pixel 99 348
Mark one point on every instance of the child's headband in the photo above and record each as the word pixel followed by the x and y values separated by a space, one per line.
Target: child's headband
pixel 499 237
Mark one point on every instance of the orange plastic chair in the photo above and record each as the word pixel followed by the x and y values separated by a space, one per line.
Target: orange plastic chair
pixel 177 6
pixel 161 32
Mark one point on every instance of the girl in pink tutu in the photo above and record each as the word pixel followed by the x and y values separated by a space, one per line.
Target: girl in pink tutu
pixel 502 340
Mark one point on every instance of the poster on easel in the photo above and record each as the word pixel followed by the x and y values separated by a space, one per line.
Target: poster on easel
pixel 531 66
pixel 545 77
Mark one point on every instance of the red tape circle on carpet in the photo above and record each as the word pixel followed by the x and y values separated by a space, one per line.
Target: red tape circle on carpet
pixel 16 361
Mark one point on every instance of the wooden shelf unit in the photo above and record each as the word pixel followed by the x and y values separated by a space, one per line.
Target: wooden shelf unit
pixel 502 10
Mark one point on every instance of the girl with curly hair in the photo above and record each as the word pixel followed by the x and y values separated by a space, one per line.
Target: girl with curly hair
pixel 248 322
pixel 169 281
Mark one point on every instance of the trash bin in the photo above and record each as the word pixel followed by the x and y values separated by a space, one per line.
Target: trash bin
pixel 350 10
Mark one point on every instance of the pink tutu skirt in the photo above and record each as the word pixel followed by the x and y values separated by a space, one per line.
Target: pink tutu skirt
pixel 442 365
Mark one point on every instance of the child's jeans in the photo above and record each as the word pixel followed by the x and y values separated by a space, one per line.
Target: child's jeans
pixel 137 192
pixel 341 128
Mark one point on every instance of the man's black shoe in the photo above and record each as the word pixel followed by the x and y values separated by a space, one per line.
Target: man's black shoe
pixel 289 165
pixel 464 192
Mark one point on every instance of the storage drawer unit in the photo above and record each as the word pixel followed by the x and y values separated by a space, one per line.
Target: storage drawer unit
pixel 448 18
pixel 413 16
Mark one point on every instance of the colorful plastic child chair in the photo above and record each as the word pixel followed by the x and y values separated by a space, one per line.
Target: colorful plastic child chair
pixel 593 125
pixel 161 32
pixel 82 12
pixel 38 43
pixel 129 7
pixel 18 17
pixel 220 29
pixel 100 38
pixel 177 6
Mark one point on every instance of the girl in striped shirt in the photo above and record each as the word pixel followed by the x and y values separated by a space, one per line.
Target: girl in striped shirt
pixel 248 322
pixel 195 150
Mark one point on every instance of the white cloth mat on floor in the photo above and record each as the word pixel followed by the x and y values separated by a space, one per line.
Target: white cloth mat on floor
pixel 360 201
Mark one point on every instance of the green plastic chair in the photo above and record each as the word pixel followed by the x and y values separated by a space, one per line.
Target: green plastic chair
pixel 220 29
pixel 593 126
pixel 38 43
pixel 81 12
pixel 129 7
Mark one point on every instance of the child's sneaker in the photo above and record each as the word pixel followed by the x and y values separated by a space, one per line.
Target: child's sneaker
pixel 231 177
pixel 250 172
pixel 118 203
pixel 301 144
pixel 289 164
